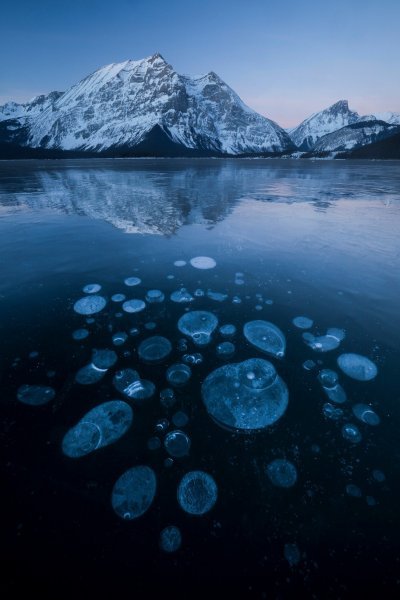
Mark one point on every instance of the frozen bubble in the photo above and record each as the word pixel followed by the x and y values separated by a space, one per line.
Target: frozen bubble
pixel 227 330
pixel 150 325
pixel 119 338
pixel 80 334
pixel 129 383
pixel 180 419
pixel 154 443
pixel 133 306
pixel 193 359
pixel 92 288
pixel 168 462
pixel 266 337
pixel 353 490
pixel 269 302
pixel 258 307
pixel 245 396
pixel 89 374
pixel 217 296
pixel 182 345
pixel 177 443
pixel 89 305
pixel 170 539
pixel 154 349
pixel 101 426
pixel 292 554
pixel 366 414
pixel 357 366
pixel 203 262
pixel 199 293
pixel 35 395
pixel 239 281
pixel 303 322
pixel 331 412
pixel 336 394
pixel 134 331
pixel 181 296
pixel 322 343
pixel 155 296
pixel 179 263
pixel 162 425
pixel 167 397
pixel 236 300
pixel 197 493
pixel 309 365
pixel 351 433
pixel 370 501
pixel 90 320
pixel 378 475
pixel 225 350
pixel 339 334
pixel 131 281
pixel 199 325
pixel 33 354
pixel 282 473
pixel 134 492
pixel 328 378
pixel 118 297
pixel 104 358
pixel 178 374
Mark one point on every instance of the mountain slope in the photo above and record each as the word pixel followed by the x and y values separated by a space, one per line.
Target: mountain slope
pixel 388 148
pixel 355 135
pixel 321 123
pixel 124 105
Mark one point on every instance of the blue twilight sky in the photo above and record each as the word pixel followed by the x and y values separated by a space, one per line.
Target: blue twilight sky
pixel 285 58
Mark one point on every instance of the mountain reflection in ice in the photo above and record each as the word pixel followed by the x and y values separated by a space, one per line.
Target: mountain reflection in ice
pixel 159 197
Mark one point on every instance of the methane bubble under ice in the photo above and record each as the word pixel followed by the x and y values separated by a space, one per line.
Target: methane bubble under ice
pixel 129 383
pixel 357 367
pixel 132 281
pixel 197 492
pixel 181 296
pixel 178 374
pixel 198 325
pixel 303 322
pixel 365 414
pixel 265 336
pixel 101 426
pixel 133 306
pixel 92 288
pixel 35 395
pixel 154 296
pixel 282 473
pixel 245 396
pixel 203 262
pixel 89 305
pixel 170 539
pixel 134 492
pixel 177 443
pixel 154 349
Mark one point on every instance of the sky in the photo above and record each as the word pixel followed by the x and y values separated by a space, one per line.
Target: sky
pixel 285 58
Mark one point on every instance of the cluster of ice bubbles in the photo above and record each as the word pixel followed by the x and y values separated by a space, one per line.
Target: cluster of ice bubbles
pixel 325 343
pixel 246 396
pixel 100 427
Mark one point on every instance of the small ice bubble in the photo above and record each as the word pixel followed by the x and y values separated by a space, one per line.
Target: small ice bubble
pixel 119 338
pixel 203 262
pixel 154 349
pixel 178 374
pixel 155 296
pixel 167 397
pixel 92 288
pixel 357 367
pixel 227 330
pixel 170 539
pixel 181 296
pixel 378 475
pixel 292 554
pixel 179 263
pixel 154 443
pixel 225 350
pixel 364 413
pixel 35 395
pixel 197 493
pixel 132 281
pixel 266 337
pixel 118 297
pixel 177 443
pixel 282 473
pixel 351 433
pixel 133 306
pixel 303 322
pixel 80 334
pixel 353 490
pixel 134 492
pixel 180 419
pixel 89 305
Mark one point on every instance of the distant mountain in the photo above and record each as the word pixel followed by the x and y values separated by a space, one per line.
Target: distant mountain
pixel 142 108
pixel 355 135
pixel 389 117
pixel 388 148
pixel 321 123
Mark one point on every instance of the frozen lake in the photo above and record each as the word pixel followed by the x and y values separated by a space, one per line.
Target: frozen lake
pixel 280 473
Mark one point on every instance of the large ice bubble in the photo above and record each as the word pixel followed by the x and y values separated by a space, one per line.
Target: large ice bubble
pixel 282 473
pixel 198 325
pixel 177 443
pixel 366 414
pixel 203 262
pixel 133 306
pixel 197 492
pixel 154 349
pixel 245 396
pixel 89 305
pixel 357 366
pixel 134 492
pixel 35 395
pixel 265 336
pixel 101 426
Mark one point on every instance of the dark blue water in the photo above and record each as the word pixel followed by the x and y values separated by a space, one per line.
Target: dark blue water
pixel 319 239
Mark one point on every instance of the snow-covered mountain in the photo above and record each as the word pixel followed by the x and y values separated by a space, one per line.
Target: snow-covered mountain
pixel 389 117
pixel 322 123
pixel 146 106
pixel 356 135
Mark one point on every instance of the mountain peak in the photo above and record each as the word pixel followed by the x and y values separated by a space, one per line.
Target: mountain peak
pixel 340 106
pixel 157 57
